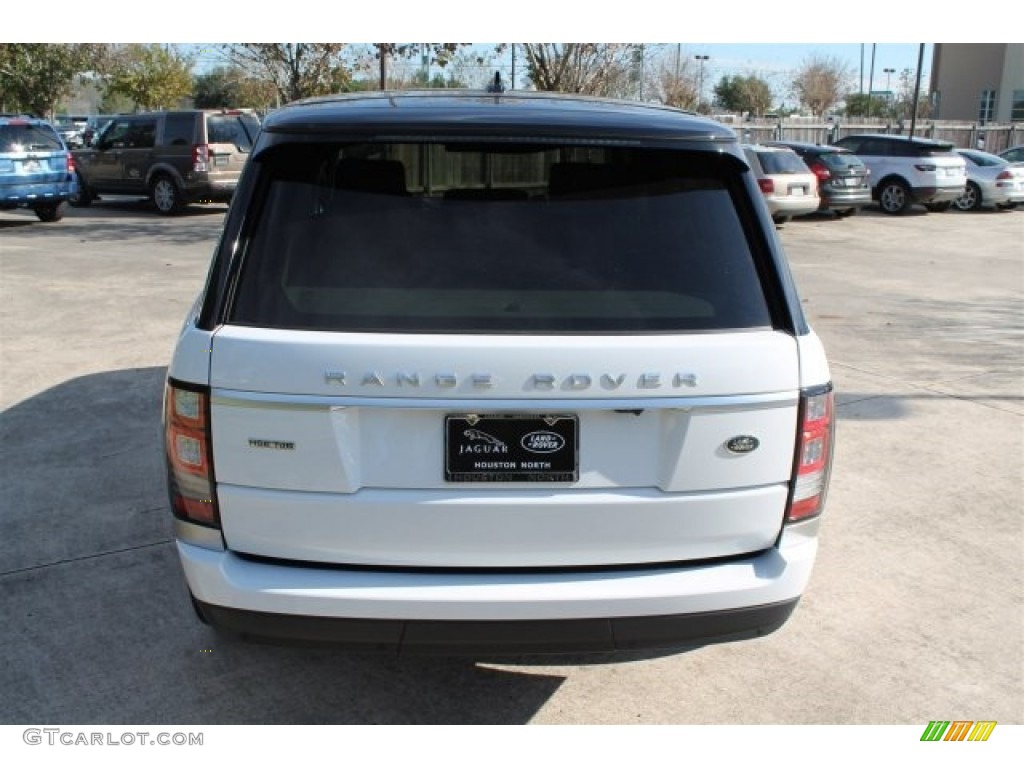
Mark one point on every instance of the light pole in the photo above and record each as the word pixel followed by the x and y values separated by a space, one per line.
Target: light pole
pixel 888 93
pixel 888 71
pixel 700 80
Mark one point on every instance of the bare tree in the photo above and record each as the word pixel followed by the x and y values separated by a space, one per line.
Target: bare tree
pixel 821 81
pixel 602 69
pixel 903 107
pixel 672 82
pixel 386 54
pixel 297 70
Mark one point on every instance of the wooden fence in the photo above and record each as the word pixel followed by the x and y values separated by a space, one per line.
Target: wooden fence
pixel 991 137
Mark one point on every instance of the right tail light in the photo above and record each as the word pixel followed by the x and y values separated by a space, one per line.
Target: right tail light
pixel 813 463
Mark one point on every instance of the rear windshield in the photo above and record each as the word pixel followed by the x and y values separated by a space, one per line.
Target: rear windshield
pixel 240 130
pixel 498 238
pixel 984 159
pixel 781 162
pixel 27 138
pixel 840 161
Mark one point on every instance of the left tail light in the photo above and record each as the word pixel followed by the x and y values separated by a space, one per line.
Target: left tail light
pixel 823 173
pixel 71 165
pixel 813 464
pixel 200 157
pixel 189 452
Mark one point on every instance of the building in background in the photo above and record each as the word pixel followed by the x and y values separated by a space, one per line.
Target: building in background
pixel 979 82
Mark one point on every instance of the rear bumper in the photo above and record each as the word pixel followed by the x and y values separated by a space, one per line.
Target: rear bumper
pixel 845 197
pixel 793 206
pixel 456 612
pixel 43 193
pixel 490 637
pixel 937 194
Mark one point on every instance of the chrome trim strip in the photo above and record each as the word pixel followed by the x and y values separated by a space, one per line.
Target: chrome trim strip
pixel 237 399
pixel 199 535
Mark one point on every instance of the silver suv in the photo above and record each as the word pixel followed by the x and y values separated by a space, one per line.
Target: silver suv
pixel 478 371
pixel 905 170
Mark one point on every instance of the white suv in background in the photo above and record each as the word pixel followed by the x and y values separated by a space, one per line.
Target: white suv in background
pixel 905 170
pixel 488 372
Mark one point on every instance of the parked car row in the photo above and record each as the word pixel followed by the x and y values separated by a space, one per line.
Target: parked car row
pixel 196 156
pixel 897 172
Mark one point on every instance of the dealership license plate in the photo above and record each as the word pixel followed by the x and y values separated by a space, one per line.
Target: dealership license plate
pixel 221 159
pixel 798 191
pixel 511 448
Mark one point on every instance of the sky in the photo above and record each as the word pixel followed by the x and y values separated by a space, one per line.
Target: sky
pixel 738 36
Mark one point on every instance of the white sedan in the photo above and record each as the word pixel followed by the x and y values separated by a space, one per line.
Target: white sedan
pixel 991 180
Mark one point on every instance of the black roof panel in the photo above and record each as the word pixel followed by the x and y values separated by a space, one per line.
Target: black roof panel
pixel 474 113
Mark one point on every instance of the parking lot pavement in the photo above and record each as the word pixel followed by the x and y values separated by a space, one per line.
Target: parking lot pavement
pixel 914 611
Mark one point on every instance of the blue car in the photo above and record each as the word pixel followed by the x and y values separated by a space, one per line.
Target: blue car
pixel 36 168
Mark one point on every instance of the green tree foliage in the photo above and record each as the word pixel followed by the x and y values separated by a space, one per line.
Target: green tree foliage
pixel 744 94
pixel 295 70
pixel 820 82
pixel 34 77
pixel 857 105
pixel 150 76
pixel 217 88
pixel 226 87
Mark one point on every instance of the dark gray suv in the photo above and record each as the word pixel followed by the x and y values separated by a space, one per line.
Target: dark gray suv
pixel 175 158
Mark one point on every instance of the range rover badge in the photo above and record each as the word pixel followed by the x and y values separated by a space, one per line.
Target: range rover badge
pixel 742 444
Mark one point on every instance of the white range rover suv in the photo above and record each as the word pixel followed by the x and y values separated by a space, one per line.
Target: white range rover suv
pixel 484 372
pixel 906 170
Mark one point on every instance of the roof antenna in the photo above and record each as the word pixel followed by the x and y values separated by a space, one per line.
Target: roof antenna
pixel 497 86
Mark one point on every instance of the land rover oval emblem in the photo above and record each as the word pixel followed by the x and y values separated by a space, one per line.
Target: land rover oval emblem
pixel 542 442
pixel 742 444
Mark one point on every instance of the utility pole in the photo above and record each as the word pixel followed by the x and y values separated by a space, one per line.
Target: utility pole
pixel 871 77
pixel 383 49
pixel 917 90
pixel 512 86
pixel 862 67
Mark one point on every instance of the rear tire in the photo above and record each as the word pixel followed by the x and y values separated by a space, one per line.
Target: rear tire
pixel 165 194
pixel 83 197
pixel 894 197
pixel 50 213
pixel 198 609
pixel 970 200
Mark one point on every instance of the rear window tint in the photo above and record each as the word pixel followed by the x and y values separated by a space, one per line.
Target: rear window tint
pixel 781 162
pixel 240 130
pixel 498 238
pixel 26 138
pixel 839 161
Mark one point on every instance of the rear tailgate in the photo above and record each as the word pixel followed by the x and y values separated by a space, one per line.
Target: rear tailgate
pixel 331 447
pixel 231 137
